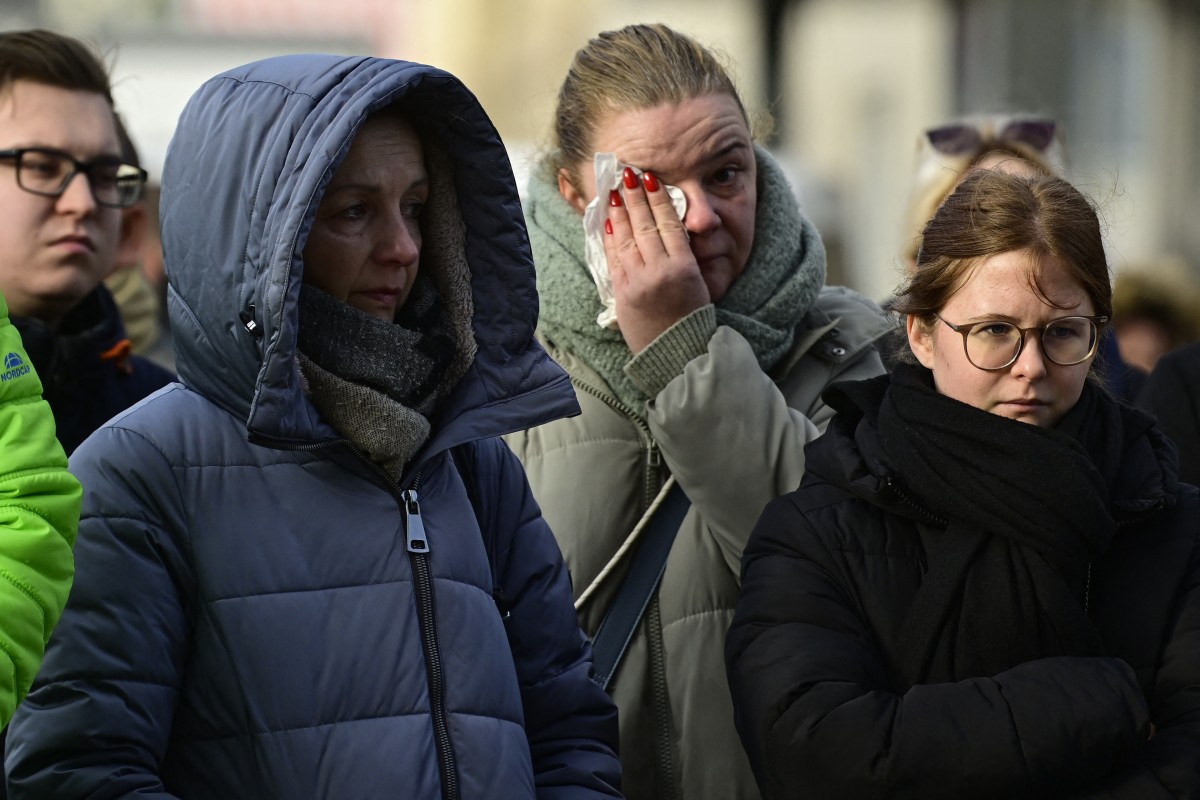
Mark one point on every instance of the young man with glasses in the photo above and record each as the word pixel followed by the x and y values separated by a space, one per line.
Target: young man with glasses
pixel 63 185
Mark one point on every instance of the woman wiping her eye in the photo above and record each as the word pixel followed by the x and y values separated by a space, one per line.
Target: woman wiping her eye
pixel 711 381
pixel 988 582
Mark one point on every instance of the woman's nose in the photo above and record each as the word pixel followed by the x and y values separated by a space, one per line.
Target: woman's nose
pixel 1031 362
pixel 400 242
pixel 701 216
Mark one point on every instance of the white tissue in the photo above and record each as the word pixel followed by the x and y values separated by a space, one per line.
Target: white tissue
pixel 609 174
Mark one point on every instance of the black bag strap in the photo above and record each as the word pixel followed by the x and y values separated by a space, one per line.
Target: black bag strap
pixel 645 572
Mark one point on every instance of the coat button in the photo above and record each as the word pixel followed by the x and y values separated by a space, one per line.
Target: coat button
pixel 838 351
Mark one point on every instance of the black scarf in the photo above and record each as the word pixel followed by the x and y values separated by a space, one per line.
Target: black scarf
pixel 1025 510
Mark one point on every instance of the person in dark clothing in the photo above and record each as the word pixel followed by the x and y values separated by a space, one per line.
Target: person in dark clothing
pixel 63 185
pixel 61 199
pixel 1172 394
pixel 1122 380
pixel 988 582
pixel 311 569
pixel 91 375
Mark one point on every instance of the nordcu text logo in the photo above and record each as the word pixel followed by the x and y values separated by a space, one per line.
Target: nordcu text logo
pixel 14 367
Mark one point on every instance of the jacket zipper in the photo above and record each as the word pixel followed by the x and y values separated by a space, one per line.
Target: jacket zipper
pixel 913 504
pixel 1087 589
pixel 1121 523
pixel 650 482
pixel 663 736
pixel 418 555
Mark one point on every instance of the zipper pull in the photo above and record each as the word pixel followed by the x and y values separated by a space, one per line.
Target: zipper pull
pixel 413 526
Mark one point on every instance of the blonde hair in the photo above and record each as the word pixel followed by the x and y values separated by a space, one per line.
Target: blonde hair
pixel 636 67
pixel 938 173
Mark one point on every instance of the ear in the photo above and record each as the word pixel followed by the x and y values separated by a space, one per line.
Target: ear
pixel 129 240
pixel 920 339
pixel 570 193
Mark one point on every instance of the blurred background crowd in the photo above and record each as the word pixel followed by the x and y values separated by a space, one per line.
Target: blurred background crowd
pixel 846 89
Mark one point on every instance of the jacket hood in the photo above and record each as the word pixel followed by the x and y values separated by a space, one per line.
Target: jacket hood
pixel 245 171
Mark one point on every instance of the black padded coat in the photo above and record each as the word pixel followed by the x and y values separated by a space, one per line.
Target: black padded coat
pixel 828 576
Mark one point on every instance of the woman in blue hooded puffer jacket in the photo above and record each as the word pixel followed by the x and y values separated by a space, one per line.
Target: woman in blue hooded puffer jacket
pixel 312 570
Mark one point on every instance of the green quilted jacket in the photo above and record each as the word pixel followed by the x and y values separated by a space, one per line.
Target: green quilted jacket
pixel 39 514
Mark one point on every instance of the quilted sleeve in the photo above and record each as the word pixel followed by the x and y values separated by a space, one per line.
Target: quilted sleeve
pixel 571 723
pixel 723 402
pixel 97 722
pixel 39 515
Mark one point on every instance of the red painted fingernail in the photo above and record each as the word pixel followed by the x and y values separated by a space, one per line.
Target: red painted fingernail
pixel 650 181
pixel 608 226
pixel 614 198
pixel 630 178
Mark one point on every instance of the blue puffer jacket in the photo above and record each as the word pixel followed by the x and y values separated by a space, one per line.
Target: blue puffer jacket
pixel 247 620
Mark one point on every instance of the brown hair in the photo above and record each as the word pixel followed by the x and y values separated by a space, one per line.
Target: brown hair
pixel 636 67
pixel 993 212
pixel 129 151
pixel 47 57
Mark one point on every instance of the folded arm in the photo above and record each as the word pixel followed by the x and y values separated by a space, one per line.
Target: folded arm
pixel 818 717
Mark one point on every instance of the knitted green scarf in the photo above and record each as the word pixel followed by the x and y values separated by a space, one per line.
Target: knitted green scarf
pixel 765 304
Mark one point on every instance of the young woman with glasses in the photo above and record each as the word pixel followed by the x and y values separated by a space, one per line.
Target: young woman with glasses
pixel 1021 145
pixel 988 583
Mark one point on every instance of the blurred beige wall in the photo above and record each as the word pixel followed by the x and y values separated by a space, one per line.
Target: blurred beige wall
pixel 865 78
pixel 860 80
pixel 515 54
pixel 862 77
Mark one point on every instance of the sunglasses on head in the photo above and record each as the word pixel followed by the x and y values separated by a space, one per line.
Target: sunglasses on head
pixel 960 138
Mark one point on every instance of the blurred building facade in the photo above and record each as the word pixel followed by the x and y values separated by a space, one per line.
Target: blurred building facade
pixel 851 84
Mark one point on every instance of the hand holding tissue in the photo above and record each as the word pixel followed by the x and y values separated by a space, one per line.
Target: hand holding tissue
pixel 608 177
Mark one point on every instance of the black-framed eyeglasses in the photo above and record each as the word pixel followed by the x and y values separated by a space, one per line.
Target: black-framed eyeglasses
pixel 48 172
pixel 961 138
pixel 995 344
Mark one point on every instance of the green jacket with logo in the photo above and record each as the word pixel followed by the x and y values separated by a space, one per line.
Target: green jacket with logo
pixel 39 514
